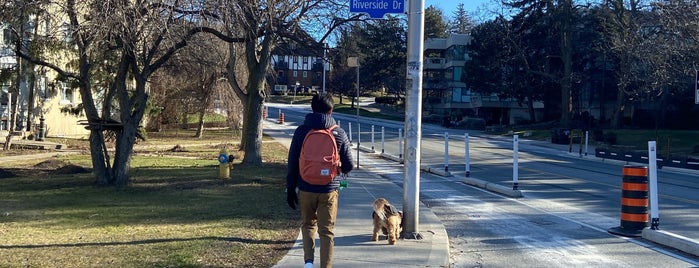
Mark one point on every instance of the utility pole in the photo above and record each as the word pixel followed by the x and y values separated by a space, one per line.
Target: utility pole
pixel 413 119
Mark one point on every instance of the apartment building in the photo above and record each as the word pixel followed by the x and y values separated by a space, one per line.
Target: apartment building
pixel 446 96
pixel 41 97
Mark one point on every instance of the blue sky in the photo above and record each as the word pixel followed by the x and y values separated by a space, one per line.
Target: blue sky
pixel 449 6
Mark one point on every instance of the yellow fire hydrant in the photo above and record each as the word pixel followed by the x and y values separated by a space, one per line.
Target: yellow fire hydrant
pixel 224 171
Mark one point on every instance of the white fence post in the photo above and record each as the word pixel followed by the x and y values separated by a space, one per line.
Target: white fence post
pixel 372 139
pixel 400 144
pixel 515 163
pixel 359 139
pixel 653 180
pixel 467 155
pixel 446 152
pixel 382 140
pixel 587 137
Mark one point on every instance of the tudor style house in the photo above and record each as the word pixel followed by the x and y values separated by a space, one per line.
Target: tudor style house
pixel 298 67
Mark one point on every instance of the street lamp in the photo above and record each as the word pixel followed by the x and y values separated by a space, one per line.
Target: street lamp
pixel 354 62
pixel 325 61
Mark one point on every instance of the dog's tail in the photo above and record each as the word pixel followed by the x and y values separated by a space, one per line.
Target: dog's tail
pixel 383 209
pixel 379 204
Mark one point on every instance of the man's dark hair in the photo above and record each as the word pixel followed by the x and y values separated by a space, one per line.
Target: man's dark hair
pixel 322 103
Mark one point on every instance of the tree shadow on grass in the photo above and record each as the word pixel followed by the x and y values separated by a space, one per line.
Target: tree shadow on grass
pixel 155 241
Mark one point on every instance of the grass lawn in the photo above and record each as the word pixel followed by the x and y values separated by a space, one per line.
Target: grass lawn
pixel 175 212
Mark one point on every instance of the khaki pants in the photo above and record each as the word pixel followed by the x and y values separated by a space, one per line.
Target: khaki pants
pixel 318 213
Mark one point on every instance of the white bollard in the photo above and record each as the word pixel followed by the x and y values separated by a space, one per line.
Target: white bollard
pixel 653 181
pixel 587 137
pixel 400 144
pixel 359 140
pixel 467 155
pixel 446 152
pixel 372 139
pixel 515 163
pixel 350 132
pixel 382 140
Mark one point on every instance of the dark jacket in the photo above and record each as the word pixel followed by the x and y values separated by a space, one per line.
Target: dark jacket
pixel 317 121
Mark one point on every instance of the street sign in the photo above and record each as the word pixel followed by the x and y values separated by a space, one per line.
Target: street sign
pixel 377 8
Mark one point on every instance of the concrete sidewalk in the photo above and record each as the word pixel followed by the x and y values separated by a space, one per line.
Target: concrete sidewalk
pixel 353 229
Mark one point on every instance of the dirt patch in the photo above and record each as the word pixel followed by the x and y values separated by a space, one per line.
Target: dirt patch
pixel 50 164
pixel 178 148
pixel 53 166
pixel 71 169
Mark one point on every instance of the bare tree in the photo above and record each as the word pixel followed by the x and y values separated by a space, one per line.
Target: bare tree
pixel 254 28
pixel 195 74
pixel 130 40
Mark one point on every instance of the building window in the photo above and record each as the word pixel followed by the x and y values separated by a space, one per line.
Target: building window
pixel 67 33
pixel 460 95
pixel 7 36
pixel 305 74
pixel 305 59
pixel 66 94
pixel 296 73
pixel 42 88
pixel 457 74
pixel 457 53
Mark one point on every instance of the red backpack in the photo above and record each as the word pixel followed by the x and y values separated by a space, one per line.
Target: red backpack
pixel 319 162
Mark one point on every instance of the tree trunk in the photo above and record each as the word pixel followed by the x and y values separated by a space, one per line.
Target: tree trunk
pixel 619 108
pixel 123 152
pixel 252 120
pixel 567 58
pixel 185 118
pixel 12 122
pixel 100 158
pixel 200 126
pixel 532 112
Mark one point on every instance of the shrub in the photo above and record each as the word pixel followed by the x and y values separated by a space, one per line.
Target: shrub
pixel 388 100
pixel 472 123
pixel 610 138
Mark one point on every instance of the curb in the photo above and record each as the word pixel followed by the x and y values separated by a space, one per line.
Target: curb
pixel 493 187
pixel 675 241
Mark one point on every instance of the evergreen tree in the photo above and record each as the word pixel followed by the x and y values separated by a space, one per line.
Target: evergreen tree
pixel 462 22
pixel 435 26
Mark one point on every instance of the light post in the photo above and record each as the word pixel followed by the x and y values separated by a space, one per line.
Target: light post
pixel 325 61
pixel 354 62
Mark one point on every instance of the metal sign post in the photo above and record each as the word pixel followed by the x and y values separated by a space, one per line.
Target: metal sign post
pixel 413 119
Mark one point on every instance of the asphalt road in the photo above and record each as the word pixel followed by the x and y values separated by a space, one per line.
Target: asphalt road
pixel 562 221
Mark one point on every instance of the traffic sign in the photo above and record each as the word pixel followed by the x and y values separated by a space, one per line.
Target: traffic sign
pixel 377 8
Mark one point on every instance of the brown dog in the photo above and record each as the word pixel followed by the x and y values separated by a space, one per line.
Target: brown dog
pixel 388 219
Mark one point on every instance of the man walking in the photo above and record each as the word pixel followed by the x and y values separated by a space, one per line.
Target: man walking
pixel 317 200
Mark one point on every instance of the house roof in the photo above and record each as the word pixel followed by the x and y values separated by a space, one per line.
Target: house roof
pixel 300 44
